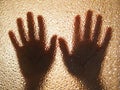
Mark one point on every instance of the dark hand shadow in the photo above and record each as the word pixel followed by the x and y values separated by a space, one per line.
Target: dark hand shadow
pixel 33 57
pixel 85 59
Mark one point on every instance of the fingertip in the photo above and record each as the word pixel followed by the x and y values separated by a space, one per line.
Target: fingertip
pixel 109 30
pixel 99 21
pixel 77 17
pixel 11 34
pixel 61 40
pixel 53 40
pixel 89 16
pixel 29 14
pixel 54 37
pixel 99 17
pixel 64 47
pixel 13 39
pixel 62 43
pixel 89 12
pixel 40 21
pixel 77 21
pixel 19 20
pixel 53 44
pixel 40 17
pixel 107 38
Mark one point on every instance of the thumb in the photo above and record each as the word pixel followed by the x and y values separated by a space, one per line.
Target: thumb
pixel 64 48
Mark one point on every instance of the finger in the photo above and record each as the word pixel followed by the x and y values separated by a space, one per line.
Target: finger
pixel 76 34
pixel 53 46
pixel 13 40
pixel 64 48
pixel 31 28
pixel 21 30
pixel 41 31
pixel 88 25
pixel 97 29
pixel 107 38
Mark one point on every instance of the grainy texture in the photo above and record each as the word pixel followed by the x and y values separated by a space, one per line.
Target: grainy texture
pixel 59 18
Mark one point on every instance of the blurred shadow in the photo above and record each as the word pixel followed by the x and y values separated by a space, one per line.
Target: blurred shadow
pixel 85 59
pixel 33 57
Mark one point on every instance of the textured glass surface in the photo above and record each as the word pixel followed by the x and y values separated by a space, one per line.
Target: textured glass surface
pixel 59 18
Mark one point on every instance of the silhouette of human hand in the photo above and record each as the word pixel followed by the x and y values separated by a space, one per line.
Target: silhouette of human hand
pixel 33 57
pixel 85 59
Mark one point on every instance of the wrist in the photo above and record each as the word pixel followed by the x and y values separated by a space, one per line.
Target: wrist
pixel 32 85
pixel 94 84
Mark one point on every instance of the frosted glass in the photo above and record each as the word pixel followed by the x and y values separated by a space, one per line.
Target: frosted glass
pixel 59 18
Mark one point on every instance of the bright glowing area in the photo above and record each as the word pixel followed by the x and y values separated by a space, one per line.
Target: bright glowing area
pixel 59 19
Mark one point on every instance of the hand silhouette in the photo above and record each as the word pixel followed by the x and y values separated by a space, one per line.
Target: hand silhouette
pixel 33 57
pixel 86 57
